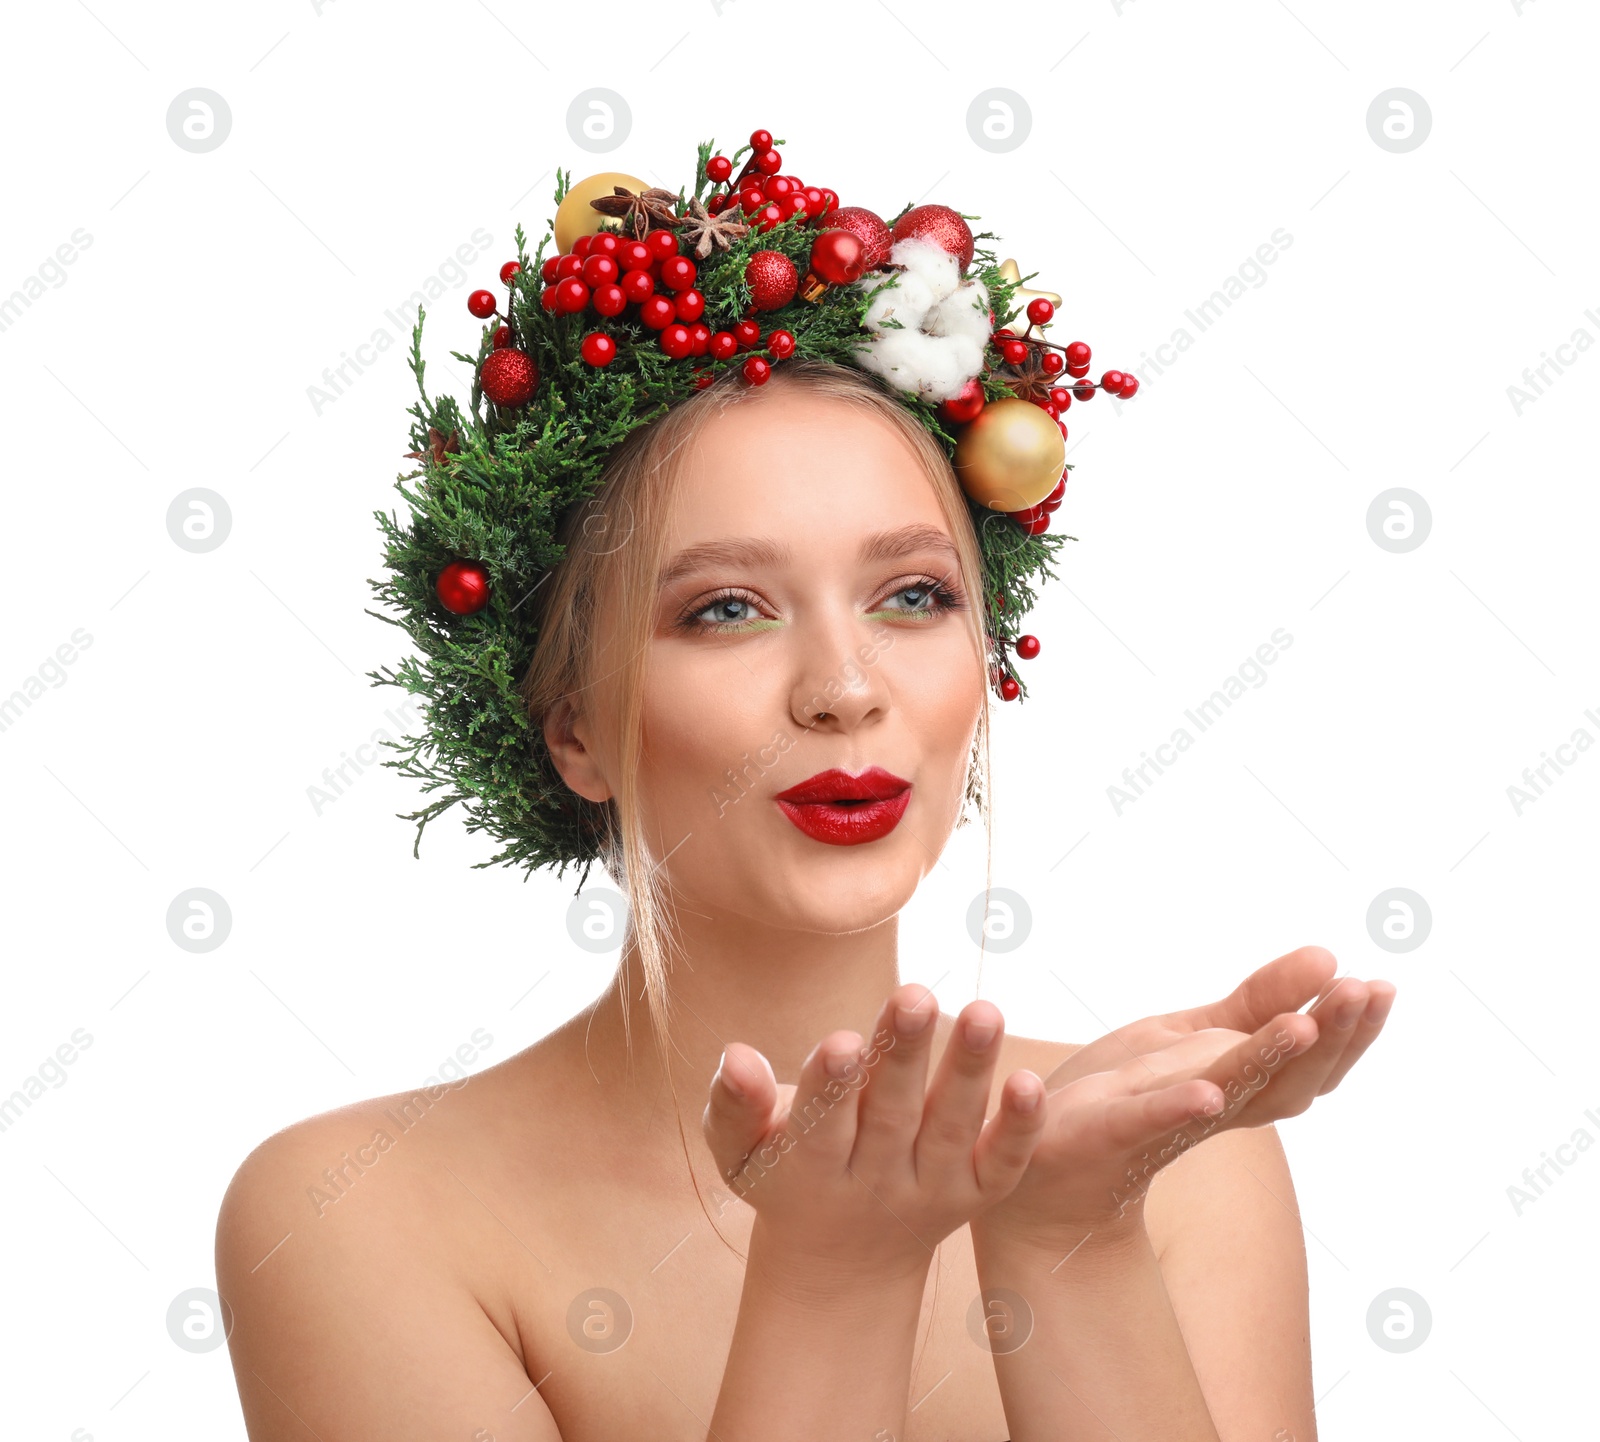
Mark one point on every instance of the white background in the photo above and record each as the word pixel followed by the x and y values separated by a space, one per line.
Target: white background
pixel 1231 498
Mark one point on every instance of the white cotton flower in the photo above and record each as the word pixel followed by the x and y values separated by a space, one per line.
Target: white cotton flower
pixel 928 325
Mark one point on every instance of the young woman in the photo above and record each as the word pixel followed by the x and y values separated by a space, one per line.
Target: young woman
pixel 762 1188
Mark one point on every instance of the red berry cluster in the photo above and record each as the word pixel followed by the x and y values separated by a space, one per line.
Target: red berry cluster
pixel 767 196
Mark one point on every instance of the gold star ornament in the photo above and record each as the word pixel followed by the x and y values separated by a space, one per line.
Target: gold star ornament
pixel 1022 295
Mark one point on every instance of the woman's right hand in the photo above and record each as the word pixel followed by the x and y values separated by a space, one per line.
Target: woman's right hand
pixel 861 1166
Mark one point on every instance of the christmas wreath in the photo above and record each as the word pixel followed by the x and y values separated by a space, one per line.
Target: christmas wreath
pixel 647 296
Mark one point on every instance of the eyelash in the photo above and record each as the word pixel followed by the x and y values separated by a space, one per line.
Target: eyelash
pixel 945 598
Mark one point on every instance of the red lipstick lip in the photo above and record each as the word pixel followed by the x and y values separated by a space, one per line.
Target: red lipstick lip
pixel 873 784
pixel 839 809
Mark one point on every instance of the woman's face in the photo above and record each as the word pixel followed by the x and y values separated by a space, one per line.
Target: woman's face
pixel 808 570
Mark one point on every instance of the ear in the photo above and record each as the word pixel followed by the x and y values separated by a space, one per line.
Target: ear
pixel 567 734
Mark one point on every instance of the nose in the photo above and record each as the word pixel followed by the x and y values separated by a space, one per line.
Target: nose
pixel 838 681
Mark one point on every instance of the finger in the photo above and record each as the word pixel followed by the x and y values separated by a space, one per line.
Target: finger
pixel 1302 1081
pixel 1006 1144
pixel 1256 1075
pixel 890 1110
pixel 958 1100
pixel 1283 984
pixel 1367 1026
pixel 821 1118
pixel 739 1110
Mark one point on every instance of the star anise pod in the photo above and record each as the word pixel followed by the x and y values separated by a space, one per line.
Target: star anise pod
pixel 438 447
pixel 705 231
pixel 1030 380
pixel 639 213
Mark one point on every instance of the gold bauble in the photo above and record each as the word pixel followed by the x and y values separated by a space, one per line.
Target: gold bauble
pixel 1011 455
pixel 575 216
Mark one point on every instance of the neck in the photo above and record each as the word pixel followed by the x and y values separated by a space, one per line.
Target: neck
pixel 734 980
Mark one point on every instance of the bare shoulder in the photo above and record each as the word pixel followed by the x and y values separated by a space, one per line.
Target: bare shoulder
pixel 351 1311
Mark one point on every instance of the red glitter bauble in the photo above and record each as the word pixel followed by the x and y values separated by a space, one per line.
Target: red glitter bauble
pixel 772 279
pixel 868 228
pixel 965 404
pixel 463 587
pixel 942 226
pixel 508 376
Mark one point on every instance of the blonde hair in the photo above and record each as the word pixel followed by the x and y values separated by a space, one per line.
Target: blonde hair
pixel 614 550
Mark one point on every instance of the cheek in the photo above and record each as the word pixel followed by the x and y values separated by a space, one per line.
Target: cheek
pixel 696 728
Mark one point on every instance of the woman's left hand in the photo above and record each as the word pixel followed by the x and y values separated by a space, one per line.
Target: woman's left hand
pixel 1128 1104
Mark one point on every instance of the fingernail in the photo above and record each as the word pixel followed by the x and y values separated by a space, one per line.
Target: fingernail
pixel 1028 1101
pixel 730 1079
pixel 980 1033
pixel 910 1020
pixel 838 1063
pixel 1348 1012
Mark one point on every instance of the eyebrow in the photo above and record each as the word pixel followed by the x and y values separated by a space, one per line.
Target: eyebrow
pixel 759 551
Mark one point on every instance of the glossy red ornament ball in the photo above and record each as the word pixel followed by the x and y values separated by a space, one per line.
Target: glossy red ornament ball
pixel 699 338
pixel 1130 385
pixel 599 270
pixel 1051 362
pixel 608 299
pixel 606 243
pixel 1014 351
pixel 769 161
pixel 1009 689
pixel 780 344
pixel 580 247
pixel 747 333
pixel 719 168
pixel 1077 354
pixel 792 205
pixel 508 376
pixel 1052 502
pixel 677 272
pixel 598 349
pixel 723 346
pixel 462 587
pixel 1084 390
pixel 761 140
pixel 633 255
pixel 1027 647
pixel 657 312
pixel 772 279
pixel 481 303
pixel 867 227
pixel 662 243
pixel 1078 372
pixel 943 226
pixel 637 285
pixel 569 265
pixel 571 296
pixel 715 206
pixel 1041 311
pixel 1061 396
pixel 965 405
pixel 690 305
pixel 547 271
pixel 756 370
pixel 502 337
pixel 775 187
pixel 1112 380
pixel 509 269
pixel 676 340
pixel 547 298
pixel 767 217
pixel 752 198
pixel 838 257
